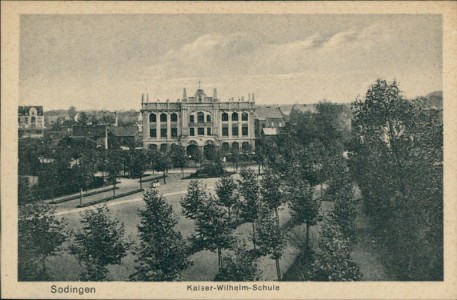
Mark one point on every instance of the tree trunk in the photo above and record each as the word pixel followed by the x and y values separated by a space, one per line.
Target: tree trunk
pixel 307 235
pixel 80 196
pixel 259 168
pixel 182 172
pixel 278 269
pixel 52 194
pixel 141 182
pixel 219 257
pixel 277 217
pixel 229 214
pixel 321 190
pixel 164 180
pixel 114 188
pixel 253 234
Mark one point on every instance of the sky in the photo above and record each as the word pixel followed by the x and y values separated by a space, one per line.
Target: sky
pixel 108 61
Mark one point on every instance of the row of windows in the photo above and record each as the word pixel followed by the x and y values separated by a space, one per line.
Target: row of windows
pixel 200 117
pixel 163 132
pixel 200 131
pixel 235 131
pixel 244 117
pixel 163 118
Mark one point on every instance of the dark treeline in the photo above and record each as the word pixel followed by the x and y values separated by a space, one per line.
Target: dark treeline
pixel 397 162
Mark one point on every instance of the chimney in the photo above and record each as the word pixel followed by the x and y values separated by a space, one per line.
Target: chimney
pixel 249 97
pixel 142 98
pixel 215 94
pixel 253 97
pixel 184 96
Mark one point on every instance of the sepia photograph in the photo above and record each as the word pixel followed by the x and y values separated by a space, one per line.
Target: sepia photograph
pixel 227 152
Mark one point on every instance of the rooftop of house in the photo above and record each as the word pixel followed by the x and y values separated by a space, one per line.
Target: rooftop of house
pixel 123 131
pixel 268 112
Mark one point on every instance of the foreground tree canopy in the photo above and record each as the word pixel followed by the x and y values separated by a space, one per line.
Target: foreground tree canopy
pixel 397 161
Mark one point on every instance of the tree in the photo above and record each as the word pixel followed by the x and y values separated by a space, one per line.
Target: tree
pixel 214 232
pixel 197 196
pixel 162 253
pixel 242 266
pixel 271 192
pixel 269 237
pixel 40 234
pixel 100 243
pixel 249 206
pixel 397 162
pixel 137 165
pixel 83 118
pixel 341 192
pixel 72 112
pixel 304 208
pixel 227 194
pixel 86 169
pixel 235 156
pixel 333 261
pixel 113 167
pixel 178 157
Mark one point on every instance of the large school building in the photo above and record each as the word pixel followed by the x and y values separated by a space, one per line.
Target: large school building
pixel 199 120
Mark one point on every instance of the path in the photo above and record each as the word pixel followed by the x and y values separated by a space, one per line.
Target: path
pixel 367 251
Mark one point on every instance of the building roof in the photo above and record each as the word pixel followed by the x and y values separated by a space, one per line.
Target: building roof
pixel 25 110
pixel 270 131
pixel 124 131
pixel 268 112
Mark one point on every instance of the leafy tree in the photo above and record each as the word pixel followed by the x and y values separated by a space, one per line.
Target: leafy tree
pixel 72 112
pixel 100 243
pixel 304 208
pixel 270 239
pixel 40 235
pixel 113 167
pixel 397 162
pixel 162 253
pixel 242 266
pixel 235 157
pixel 137 165
pixel 227 193
pixel 214 232
pixel 197 196
pixel 341 192
pixel 271 192
pixel 249 205
pixel 178 157
pixel 333 261
pixel 86 169
pixel 83 118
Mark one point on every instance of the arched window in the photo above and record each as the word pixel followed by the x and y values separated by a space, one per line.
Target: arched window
pixel 152 118
pixel 191 119
pixel 235 116
pixel 208 118
pixel 174 117
pixel 33 120
pixel 200 117
pixel 245 116
pixel 235 146
pixel 224 117
pixel 163 117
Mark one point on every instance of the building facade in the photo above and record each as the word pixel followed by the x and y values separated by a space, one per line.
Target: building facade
pixel 200 121
pixel 31 121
